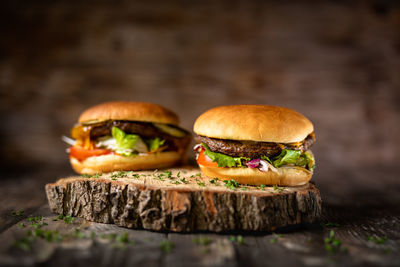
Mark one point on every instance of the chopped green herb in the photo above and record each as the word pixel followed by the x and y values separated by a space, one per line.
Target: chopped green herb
pixel 183 180
pixel 69 219
pixel 238 239
pixel 119 174
pixel 24 243
pixel 59 217
pixel 51 236
pixel 167 246
pixel 66 218
pixel 231 184
pixel 97 175
pixel 214 181
pixel 37 221
pixel 204 241
pixel 123 238
pixel 78 234
pixel 168 174
pixel 178 174
pixel 17 212
pixel 86 175
pixel 275 238
pixel 262 187
pixel 200 183
pixel 377 240
pixel 244 188
pixel 278 189
pixel 135 175
pixel 332 244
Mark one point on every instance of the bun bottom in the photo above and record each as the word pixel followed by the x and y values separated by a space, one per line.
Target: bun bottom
pixel 109 163
pixel 286 176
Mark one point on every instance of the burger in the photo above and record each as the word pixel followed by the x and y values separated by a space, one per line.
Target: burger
pixel 255 144
pixel 126 136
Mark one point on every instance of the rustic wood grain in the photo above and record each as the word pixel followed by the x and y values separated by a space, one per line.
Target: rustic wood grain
pixel 151 200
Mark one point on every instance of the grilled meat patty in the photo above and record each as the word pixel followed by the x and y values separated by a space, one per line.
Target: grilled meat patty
pixel 252 149
pixel 144 129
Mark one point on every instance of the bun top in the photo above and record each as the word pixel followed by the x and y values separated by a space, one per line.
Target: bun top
pixel 260 123
pixel 132 111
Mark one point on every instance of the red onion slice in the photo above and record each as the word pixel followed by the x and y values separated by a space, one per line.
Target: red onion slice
pixel 254 163
pixel 197 147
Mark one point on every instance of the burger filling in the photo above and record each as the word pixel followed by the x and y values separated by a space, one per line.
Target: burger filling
pixel 126 138
pixel 265 156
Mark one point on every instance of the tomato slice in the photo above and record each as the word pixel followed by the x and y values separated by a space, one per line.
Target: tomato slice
pixel 81 153
pixel 204 160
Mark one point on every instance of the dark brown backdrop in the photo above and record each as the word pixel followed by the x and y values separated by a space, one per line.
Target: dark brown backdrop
pixel 336 62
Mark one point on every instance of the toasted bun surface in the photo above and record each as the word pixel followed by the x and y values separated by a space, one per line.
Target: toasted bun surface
pixel 286 176
pixel 109 163
pixel 133 111
pixel 260 123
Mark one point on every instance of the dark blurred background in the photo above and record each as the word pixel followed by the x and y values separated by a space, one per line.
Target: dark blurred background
pixel 337 62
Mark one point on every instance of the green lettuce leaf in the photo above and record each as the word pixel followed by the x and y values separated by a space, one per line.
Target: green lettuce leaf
pixel 154 144
pixel 310 160
pixel 127 144
pixel 223 160
pixel 286 157
pixel 267 159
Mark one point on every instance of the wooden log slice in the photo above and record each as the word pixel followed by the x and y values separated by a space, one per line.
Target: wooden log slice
pixel 182 200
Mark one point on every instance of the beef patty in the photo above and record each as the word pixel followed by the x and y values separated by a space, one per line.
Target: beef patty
pixel 144 129
pixel 252 149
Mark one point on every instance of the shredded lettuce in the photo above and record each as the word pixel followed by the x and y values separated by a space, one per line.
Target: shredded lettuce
pixel 286 157
pixel 154 144
pixel 310 160
pixel 223 160
pixel 292 157
pixel 128 144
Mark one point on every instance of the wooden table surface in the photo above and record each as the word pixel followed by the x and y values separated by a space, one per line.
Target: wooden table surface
pixel 337 62
pixel 352 223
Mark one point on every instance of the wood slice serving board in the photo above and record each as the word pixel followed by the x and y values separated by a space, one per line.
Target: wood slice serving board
pixel 182 200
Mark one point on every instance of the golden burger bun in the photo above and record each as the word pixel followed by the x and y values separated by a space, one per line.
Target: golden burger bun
pixel 130 111
pixel 285 176
pixel 109 163
pixel 261 123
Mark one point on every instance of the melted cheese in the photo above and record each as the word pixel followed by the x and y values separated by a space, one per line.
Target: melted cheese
pixel 82 136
